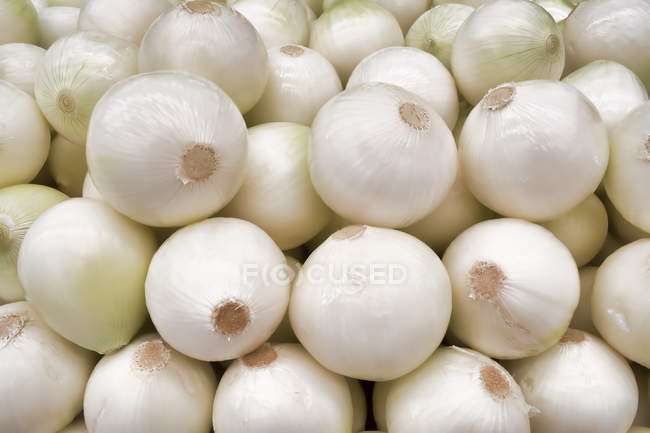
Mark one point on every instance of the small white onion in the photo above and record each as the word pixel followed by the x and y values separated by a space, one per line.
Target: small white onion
pixel 352 29
pixel 20 205
pixel 147 387
pixel 622 228
pixel 457 390
pixel 515 288
pixel 620 303
pixel 44 375
pixel 435 30
pixel 379 296
pixel 579 385
pixel 75 427
pixel 67 164
pixel 611 87
pixel 414 70
pixel 506 40
pixel 223 46
pixel 359 409
pixel 300 82
pixel 615 30
pixel 279 22
pixel 582 316
pixel 18 22
pixel 405 11
pixel 18 63
pixel 75 72
pixel 24 136
pixel 166 148
pixel 393 156
pixel 83 267
pixel 628 174
pixel 519 166
pixel 559 9
pixel 281 389
pixel 56 22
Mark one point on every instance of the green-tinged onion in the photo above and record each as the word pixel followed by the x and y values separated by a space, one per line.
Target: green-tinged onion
pixel 18 64
pixel 405 11
pixel 67 164
pixel 279 22
pixel 18 22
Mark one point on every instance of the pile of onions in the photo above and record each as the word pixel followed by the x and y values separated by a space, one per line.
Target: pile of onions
pixel 18 22
pixel 18 63
pixel 279 22
pixel 56 22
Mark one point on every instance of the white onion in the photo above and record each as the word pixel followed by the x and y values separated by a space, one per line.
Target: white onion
pixel 559 9
pixel 413 70
pixel 222 46
pixel 75 72
pixel 611 87
pixel 279 22
pixel 359 409
pixel 18 22
pixel 516 164
pixel 628 173
pixel 147 387
pixel 44 375
pixel 124 19
pixel 277 194
pixel 624 230
pixel 24 136
pixel 615 30
pixel 379 296
pixel 405 11
pixel 67 164
pixel 281 389
pixel 620 303
pixel 166 148
pixel 582 316
pixel 75 427
pixel 352 29
pixel 89 190
pixel 284 332
pixel 20 205
pixel 435 30
pixel 472 3
pixel 506 40
pixel 381 155
pixel 71 3
pixel 515 288
pixel 335 224
pixel 300 82
pixel 457 390
pixel 83 267
pixel 39 4
pixel 612 243
pixel 56 22
pixel 18 63
pixel 379 396
pixel 579 385
pixel 217 289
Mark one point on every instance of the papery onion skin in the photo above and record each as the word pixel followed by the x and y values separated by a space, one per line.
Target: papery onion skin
pixel 559 9
pixel 279 22
pixel 56 22
pixel 223 47
pixel 506 40
pixel 44 375
pixel 582 317
pixel 405 11
pixel 18 22
pixel 620 305
pixel 67 164
pixel 83 267
pixel 177 157
pixel 17 64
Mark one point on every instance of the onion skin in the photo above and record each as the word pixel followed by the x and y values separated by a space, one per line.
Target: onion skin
pixel 18 63
pixel 18 22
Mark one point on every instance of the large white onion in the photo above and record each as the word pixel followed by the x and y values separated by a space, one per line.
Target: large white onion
pixel 381 155
pixel 222 46
pixel 515 288
pixel 506 40
pixel 300 82
pixel 582 316
pixel 279 22
pixel 405 11
pixel 44 375
pixel 18 22
pixel 75 73
pixel 18 63
pixel 414 70
pixel 518 165
pixel 67 165
pixel 83 267
pixel 579 385
pixel 56 22
pixel 166 148
pixel 559 9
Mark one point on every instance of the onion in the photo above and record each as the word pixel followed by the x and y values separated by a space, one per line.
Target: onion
pixel 415 71
pixel 216 322
pixel 83 267
pixel 281 389
pixel 352 29
pixel 44 375
pixel 611 244
pixel 20 205
pixel 284 332
pixel 611 87
pixel 405 11
pixel 620 304
pixel 71 3
pixel 277 194
pixel 394 157
pixel 457 390
pixel 582 316
pixel 506 40
pixel 642 376
pixel 57 22
pixel 359 409
pixel 515 288
pixel 24 136
pixel 67 164
pixel 279 22
pixel 121 18
pixel 89 190
pixel 335 224
pixel 75 427
pixel 300 82
pixel 508 149
pixel 379 396
pixel 472 3
pixel 579 385
pixel 166 148
pixel 434 31
pixel 39 4
pixel 624 230
pixel 75 73
pixel 559 9
pixel 223 46
pixel 358 281
pixel 17 64
pixel 18 22
pixel 148 387
pixel 610 30
pixel 628 173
